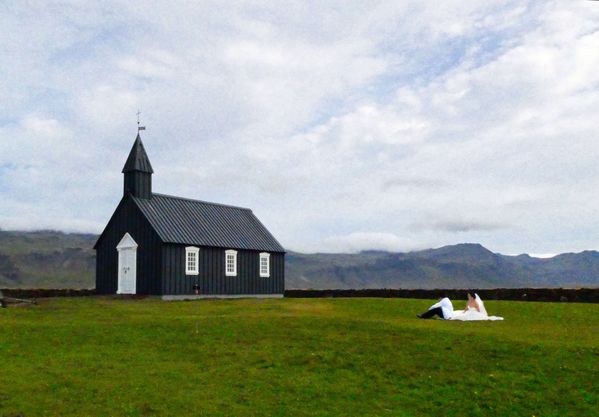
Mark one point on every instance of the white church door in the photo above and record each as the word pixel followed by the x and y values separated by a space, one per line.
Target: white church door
pixel 127 249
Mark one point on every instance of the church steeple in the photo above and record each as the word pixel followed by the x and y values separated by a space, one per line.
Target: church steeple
pixel 138 172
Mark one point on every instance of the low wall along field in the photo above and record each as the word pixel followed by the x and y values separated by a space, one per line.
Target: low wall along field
pixel 579 295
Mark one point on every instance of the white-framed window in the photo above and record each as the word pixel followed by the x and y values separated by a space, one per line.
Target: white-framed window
pixel 192 258
pixel 264 264
pixel 231 263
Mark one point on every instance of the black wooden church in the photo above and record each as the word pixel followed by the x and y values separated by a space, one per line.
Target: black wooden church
pixel 176 247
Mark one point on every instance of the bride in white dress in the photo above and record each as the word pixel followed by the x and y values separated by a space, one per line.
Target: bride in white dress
pixel 475 310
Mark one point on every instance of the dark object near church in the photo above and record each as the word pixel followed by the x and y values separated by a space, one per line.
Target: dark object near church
pixel 175 247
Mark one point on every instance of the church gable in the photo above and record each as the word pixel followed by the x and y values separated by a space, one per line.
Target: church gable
pixel 126 213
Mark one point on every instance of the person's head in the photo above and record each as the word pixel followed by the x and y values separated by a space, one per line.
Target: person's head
pixel 471 295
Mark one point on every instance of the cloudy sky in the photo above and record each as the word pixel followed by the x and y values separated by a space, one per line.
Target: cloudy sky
pixel 392 125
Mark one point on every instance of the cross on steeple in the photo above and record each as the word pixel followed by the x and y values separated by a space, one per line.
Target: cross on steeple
pixel 138 126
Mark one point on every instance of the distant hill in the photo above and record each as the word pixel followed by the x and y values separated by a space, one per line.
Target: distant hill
pixel 456 266
pixel 49 259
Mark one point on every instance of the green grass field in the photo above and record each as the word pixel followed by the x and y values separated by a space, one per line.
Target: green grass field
pixel 295 357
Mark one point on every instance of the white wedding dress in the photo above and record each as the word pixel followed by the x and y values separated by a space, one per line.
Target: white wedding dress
pixel 472 314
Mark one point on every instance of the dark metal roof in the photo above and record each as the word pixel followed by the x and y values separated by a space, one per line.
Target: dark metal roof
pixel 138 158
pixel 194 222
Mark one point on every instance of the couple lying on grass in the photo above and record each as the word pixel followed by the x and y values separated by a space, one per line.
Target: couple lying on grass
pixel 475 310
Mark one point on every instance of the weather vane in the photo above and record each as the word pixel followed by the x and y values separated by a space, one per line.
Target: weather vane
pixel 138 126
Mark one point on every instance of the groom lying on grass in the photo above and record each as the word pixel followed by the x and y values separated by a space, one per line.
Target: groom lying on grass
pixel 443 309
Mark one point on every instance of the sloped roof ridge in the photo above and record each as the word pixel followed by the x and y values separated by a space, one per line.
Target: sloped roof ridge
pixel 201 201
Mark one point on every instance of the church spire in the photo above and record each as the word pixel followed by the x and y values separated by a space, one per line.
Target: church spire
pixel 138 158
pixel 138 172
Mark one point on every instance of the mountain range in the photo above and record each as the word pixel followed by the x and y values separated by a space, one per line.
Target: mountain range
pixel 49 259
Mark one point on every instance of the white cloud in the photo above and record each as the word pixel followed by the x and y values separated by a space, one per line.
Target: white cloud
pixel 543 255
pixel 358 241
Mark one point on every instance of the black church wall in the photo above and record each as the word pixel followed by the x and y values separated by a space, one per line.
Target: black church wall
pixel 212 279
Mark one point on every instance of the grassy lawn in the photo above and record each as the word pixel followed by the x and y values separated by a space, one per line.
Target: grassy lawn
pixel 295 357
